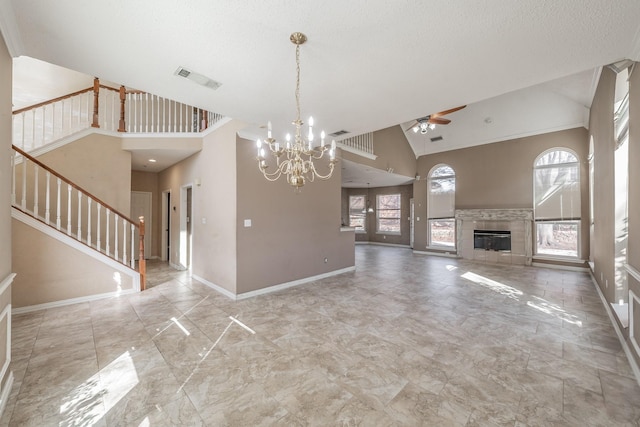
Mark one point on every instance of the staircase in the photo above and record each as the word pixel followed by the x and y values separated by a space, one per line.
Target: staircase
pixel 60 207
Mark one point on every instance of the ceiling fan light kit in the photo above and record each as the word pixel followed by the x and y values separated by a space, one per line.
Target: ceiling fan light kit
pixel 427 123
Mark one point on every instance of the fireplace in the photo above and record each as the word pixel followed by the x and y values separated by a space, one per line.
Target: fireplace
pixel 492 240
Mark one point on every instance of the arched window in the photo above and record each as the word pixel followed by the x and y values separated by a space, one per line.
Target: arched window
pixel 441 184
pixel 556 193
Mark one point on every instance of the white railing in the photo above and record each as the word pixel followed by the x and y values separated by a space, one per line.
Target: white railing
pixel 47 196
pixel 147 113
pixel 48 122
pixel 362 143
pixel 51 121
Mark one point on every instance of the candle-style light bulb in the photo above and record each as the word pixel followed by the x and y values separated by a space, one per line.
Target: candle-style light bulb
pixel 269 129
pixel 259 146
pixel 288 138
pixel 310 122
pixel 322 135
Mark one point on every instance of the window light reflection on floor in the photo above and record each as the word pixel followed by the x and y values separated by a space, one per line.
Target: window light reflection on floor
pixel 498 287
pixel 84 405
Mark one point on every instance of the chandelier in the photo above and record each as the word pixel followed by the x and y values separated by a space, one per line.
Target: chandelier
pixel 295 159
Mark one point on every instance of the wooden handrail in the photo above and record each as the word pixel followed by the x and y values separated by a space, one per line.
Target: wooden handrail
pixel 69 182
pixel 51 101
pixel 109 88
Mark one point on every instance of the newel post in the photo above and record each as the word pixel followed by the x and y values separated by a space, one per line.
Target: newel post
pixel 121 123
pixel 141 260
pixel 96 94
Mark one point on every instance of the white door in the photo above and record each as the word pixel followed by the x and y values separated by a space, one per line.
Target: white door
pixel 141 206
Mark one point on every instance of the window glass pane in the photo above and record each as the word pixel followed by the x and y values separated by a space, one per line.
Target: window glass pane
pixel 557 187
pixel 442 191
pixel 388 213
pixel 556 157
pixel 558 238
pixel 443 170
pixel 356 216
pixel 442 232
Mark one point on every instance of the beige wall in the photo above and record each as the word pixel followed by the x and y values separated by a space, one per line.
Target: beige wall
pixel 99 165
pixel 214 243
pixel 49 270
pixel 500 176
pixel 291 232
pixel 148 182
pixel 393 151
pixel 633 248
pixel 5 191
pixel 406 193
pixel 601 129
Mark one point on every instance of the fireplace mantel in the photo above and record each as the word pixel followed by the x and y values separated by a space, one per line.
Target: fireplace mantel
pixel 494 214
pixel 518 221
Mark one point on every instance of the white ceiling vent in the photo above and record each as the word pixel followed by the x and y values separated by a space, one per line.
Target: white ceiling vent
pixel 436 139
pixel 197 78
pixel 338 133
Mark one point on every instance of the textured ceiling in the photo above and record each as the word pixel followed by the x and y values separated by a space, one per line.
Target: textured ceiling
pixel 367 65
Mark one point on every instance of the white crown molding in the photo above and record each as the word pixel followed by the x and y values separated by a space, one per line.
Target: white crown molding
pixel 9 29
pixel 69 241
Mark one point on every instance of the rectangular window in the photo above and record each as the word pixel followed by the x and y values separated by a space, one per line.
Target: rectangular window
pixel 357 216
pixel 388 213
pixel 442 232
pixel 557 238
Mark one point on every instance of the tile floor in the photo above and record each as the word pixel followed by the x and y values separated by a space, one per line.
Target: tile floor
pixel 405 340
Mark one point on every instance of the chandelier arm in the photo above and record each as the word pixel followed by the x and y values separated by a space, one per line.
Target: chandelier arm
pixel 328 175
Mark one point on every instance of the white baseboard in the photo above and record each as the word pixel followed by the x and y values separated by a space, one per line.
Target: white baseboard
pixel 5 393
pixel 293 283
pixel 623 342
pixel 395 245
pixel 70 301
pixel 560 267
pixel 215 287
pixel 273 288
pixel 442 254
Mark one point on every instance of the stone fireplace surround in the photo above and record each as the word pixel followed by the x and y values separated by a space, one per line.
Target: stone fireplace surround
pixel 518 221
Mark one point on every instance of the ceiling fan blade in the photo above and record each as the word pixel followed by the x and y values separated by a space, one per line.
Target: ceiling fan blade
pixel 442 113
pixel 439 121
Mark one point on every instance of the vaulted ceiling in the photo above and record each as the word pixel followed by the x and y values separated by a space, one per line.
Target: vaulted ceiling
pixel 523 67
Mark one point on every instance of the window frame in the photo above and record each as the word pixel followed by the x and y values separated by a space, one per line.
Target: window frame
pixel 431 219
pixel 359 214
pixel 398 218
pixel 559 220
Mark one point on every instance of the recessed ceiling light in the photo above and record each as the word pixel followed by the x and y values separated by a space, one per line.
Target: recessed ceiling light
pixel 152 160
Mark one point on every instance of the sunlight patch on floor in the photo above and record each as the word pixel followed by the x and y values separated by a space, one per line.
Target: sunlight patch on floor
pixel 89 401
pixel 553 310
pixel 498 287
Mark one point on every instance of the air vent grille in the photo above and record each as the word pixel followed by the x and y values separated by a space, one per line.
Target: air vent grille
pixel 338 133
pixel 436 139
pixel 197 78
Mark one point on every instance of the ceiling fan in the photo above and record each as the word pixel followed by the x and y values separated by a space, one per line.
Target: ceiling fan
pixel 427 123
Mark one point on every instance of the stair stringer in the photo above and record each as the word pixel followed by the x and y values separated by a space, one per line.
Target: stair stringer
pixel 61 237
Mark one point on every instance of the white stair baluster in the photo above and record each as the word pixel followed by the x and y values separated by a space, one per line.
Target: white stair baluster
pixel 33 128
pixel 89 221
pixel 175 115
pixel 133 235
pixel 124 241
pixel 13 177
pixel 115 239
pixel 79 235
pixel 47 206
pixel 44 120
pixel 23 142
pixel 24 183
pixel 163 113
pixel 98 231
pixel 106 235
pixel 36 208
pixel 69 209
pixel 58 205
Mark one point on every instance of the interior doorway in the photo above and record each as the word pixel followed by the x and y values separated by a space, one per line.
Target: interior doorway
pixel 185 226
pixel 411 222
pixel 165 253
pixel 141 206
